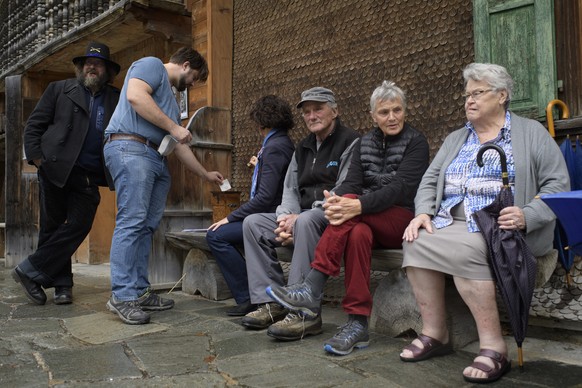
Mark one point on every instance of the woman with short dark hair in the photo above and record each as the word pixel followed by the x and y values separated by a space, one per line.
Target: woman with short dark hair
pixel 274 119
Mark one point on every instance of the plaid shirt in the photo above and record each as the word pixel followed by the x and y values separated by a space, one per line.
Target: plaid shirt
pixel 475 186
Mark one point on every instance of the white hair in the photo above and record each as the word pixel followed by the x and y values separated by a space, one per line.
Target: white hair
pixel 494 75
pixel 387 91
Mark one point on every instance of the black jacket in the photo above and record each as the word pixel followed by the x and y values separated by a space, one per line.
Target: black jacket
pixel 272 169
pixel 58 125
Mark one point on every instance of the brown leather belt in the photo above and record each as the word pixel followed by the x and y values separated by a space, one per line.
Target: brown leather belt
pixel 129 136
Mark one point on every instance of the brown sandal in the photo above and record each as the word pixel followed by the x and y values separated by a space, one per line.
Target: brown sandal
pixel 432 348
pixel 500 367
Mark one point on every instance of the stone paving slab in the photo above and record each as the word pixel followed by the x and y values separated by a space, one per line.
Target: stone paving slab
pixel 22 375
pixel 100 328
pixel 96 363
pixel 168 354
pixel 194 380
pixel 286 367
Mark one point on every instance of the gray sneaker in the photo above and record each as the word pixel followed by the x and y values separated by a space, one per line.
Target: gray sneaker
pixel 150 301
pixel 295 327
pixel 130 312
pixel 265 315
pixel 297 297
pixel 351 335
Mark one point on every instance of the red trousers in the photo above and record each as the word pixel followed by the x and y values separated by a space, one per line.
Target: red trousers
pixel 353 240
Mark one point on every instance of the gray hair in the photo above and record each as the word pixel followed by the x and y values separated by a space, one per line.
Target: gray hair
pixel 494 75
pixel 387 91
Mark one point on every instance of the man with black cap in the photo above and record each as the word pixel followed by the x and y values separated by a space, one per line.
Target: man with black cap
pixel 63 138
pixel 320 162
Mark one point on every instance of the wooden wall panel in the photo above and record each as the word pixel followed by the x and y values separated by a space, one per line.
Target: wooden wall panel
pixel 220 53
pixel 568 24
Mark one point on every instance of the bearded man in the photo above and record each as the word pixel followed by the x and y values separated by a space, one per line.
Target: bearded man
pixel 63 138
pixel 147 112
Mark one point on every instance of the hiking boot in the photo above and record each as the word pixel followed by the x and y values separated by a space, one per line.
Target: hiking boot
pixel 150 301
pixel 351 335
pixel 297 297
pixel 129 311
pixel 265 315
pixel 241 309
pixel 295 327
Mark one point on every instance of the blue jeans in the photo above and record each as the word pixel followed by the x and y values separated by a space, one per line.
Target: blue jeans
pixel 223 242
pixel 142 182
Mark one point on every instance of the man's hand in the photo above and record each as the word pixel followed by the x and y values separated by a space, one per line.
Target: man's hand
pixel 284 231
pixel 181 134
pixel 214 177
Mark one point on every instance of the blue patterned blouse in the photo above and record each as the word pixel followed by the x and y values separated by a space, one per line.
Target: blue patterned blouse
pixel 476 186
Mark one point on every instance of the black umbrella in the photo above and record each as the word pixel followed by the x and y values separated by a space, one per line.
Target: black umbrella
pixel 513 264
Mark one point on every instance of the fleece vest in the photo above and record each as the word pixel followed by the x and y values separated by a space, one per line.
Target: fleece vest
pixel 381 155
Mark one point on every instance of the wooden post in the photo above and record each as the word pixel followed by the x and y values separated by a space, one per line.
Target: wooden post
pixel 220 43
pixel 21 188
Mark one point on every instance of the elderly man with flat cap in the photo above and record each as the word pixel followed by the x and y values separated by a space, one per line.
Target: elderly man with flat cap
pixel 320 162
pixel 63 138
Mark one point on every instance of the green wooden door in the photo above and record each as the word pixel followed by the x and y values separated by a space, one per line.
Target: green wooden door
pixel 519 34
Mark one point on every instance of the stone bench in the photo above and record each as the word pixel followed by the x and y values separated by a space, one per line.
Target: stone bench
pixel 394 310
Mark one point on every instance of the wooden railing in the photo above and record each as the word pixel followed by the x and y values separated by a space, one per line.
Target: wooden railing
pixel 31 24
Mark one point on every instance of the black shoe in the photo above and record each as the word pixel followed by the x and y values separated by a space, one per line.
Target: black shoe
pixel 241 309
pixel 33 290
pixel 63 295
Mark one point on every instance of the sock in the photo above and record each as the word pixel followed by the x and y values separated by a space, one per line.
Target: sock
pixel 360 318
pixel 316 280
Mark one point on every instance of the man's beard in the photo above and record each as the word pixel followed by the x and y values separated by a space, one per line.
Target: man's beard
pixel 92 83
pixel 181 84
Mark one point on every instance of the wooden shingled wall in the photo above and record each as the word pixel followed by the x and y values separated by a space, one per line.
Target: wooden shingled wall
pixel 350 46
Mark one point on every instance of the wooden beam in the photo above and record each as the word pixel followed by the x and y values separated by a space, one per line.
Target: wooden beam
pixel 172 27
pixel 220 44
pixel 21 189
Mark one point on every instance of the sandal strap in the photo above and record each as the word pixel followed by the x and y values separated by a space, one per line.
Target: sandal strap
pixel 500 366
pixel 483 367
pixel 492 354
pixel 429 342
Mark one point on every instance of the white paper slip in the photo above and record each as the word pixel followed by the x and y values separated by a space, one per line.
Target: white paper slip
pixel 167 145
pixel 225 185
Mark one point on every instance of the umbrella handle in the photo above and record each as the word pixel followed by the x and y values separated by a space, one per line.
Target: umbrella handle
pixel 502 157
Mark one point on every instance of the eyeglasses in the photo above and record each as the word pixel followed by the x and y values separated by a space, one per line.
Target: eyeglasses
pixel 477 94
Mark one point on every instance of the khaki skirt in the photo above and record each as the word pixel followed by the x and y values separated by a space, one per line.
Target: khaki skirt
pixel 452 250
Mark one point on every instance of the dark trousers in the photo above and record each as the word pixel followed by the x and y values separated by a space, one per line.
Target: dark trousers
pixel 223 243
pixel 66 217
pixel 353 240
